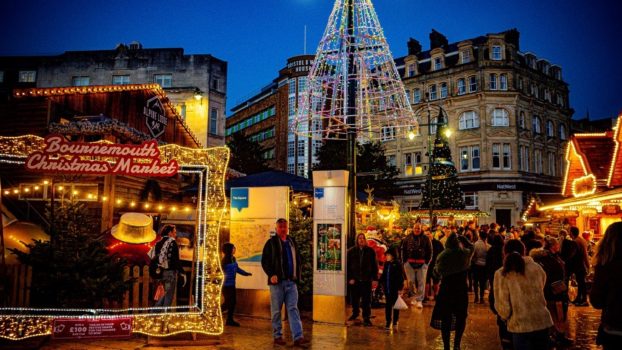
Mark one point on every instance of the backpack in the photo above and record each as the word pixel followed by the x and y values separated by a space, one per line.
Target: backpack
pixel 155 268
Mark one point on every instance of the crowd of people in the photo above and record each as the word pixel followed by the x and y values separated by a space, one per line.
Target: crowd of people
pixel 527 274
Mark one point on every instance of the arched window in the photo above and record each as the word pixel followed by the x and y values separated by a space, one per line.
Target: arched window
pixel 468 120
pixel 562 131
pixel 550 128
pixel 536 125
pixel 521 121
pixel 433 125
pixel 500 117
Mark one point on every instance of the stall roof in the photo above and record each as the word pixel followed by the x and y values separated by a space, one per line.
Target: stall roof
pixel 597 197
pixel 272 178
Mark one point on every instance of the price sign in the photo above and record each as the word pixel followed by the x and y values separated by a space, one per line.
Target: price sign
pixel 92 328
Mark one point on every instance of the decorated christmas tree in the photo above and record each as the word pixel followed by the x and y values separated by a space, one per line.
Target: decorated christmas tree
pixel 446 192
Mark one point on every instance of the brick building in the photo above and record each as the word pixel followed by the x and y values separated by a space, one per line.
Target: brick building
pixel 196 85
pixel 265 116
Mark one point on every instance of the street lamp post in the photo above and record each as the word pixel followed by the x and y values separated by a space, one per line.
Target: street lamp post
pixel 441 121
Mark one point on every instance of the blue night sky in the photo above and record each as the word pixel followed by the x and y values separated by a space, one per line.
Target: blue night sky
pixel 257 36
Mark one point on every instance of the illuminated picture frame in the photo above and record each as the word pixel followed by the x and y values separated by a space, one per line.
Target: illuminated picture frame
pixel 214 161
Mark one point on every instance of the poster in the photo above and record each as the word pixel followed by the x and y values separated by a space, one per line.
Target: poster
pixel 329 240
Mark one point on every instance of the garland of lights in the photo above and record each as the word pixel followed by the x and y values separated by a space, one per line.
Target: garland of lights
pixel 381 101
pixel 107 126
pixel 13 150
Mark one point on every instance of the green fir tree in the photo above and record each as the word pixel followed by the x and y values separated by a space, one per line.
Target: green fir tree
pixel 446 191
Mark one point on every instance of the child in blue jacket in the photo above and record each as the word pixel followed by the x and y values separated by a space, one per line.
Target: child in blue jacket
pixel 231 269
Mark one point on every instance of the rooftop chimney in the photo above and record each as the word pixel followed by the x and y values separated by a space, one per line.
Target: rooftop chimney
pixel 414 47
pixel 437 40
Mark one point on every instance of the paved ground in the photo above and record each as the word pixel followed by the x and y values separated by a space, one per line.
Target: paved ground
pixel 414 333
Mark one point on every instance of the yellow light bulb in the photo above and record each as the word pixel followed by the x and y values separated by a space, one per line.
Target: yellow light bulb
pixel 411 135
pixel 45 182
pixel 186 209
pixel 147 205
pixel 160 207
pixel 118 201
pixel 75 192
pixel 16 191
pixel 104 198
pixel 448 132
pixel 60 188
pixel 132 204
pixel 89 196
pixel 173 208
pixel 7 192
pixel 26 189
pixel 36 188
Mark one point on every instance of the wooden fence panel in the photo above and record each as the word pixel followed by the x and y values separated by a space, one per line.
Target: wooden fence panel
pixel 145 282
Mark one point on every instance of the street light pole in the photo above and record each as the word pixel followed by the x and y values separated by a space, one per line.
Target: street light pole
pixel 430 163
pixel 350 111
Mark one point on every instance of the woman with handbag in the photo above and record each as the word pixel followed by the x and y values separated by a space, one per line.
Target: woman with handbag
pixel 555 288
pixel 392 281
pixel 452 302
pixel 607 287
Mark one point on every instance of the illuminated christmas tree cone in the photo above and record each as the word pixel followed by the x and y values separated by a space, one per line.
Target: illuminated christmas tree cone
pixel 134 228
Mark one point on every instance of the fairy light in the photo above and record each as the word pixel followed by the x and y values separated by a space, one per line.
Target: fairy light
pixel 16 191
pixel 104 198
pixel 46 182
pixel 617 137
pixel 119 201
pixel 36 188
pixel 146 206
pixel 160 207
pixel 19 324
pixel 132 204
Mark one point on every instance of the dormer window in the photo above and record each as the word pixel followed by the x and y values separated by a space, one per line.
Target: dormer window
pixel 495 53
pixel 466 56
pixel 438 63
pixel 412 70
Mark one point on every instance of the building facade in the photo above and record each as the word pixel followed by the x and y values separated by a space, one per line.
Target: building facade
pixel 265 118
pixel 195 85
pixel 510 117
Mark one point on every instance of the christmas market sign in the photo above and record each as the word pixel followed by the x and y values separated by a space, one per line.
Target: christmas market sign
pixel 62 156
pixel 155 117
pixel 120 327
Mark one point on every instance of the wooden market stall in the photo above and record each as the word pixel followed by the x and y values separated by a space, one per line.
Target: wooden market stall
pixel 592 184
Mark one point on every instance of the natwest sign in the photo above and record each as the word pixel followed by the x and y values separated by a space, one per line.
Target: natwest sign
pixel 62 156
pixel 120 327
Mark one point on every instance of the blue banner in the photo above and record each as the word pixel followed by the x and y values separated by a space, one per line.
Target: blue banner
pixel 239 198
pixel 319 193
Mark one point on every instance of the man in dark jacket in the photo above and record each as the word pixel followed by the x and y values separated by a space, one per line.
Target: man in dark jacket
pixel 416 254
pixel 581 266
pixel 362 270
pixel 166 253
pixel 281 262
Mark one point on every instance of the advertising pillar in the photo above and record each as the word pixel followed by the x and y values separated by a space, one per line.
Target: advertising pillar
pixel 329 242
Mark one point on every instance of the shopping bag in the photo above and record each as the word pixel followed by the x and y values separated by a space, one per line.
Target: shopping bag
pixel 573 289
pixel 159 292
pixel 400 304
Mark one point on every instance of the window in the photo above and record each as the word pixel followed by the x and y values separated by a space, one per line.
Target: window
pixel 496 156
pixel 1 76
pixel 416 96
pixel 269 154
pixel 412 69
pixel 165 80
pixel 524 158
pixel 80 81
pixel 432 91
pixel 432 127
pixel 552 161
pixel 533 90
pixel 500 117
pixel 536 125
pixel 468 120
pixel 302 85
pixel 503 82
pixel 475 157
pixel 27 76
pixel 521 121
pixel 391 160
pixel 495 53
pixel 182 111
pixel 388 133
pixel 493 82
pixel 507 156
pixel 438 63
pixel 407 96
pixel 466 56
pixel 472 83
pixel 215 84
pixel 213 121
pixel 290 168
pixel 291 86
pixel 550 128
pixel 464 158
pixel 461 87
pixel 301 169
pixel 408 164
pixel 520 84
pixel 290 148
pixel 470 200
pixel 301 149
pixel 469 158
pixel 120 79
pixel 443 90
pixel 562 131
pixel 560 100
pixel 537 161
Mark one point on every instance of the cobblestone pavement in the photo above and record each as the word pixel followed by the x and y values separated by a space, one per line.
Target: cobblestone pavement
pixel 414 333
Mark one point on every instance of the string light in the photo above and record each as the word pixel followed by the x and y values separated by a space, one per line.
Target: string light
pixel 213 162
